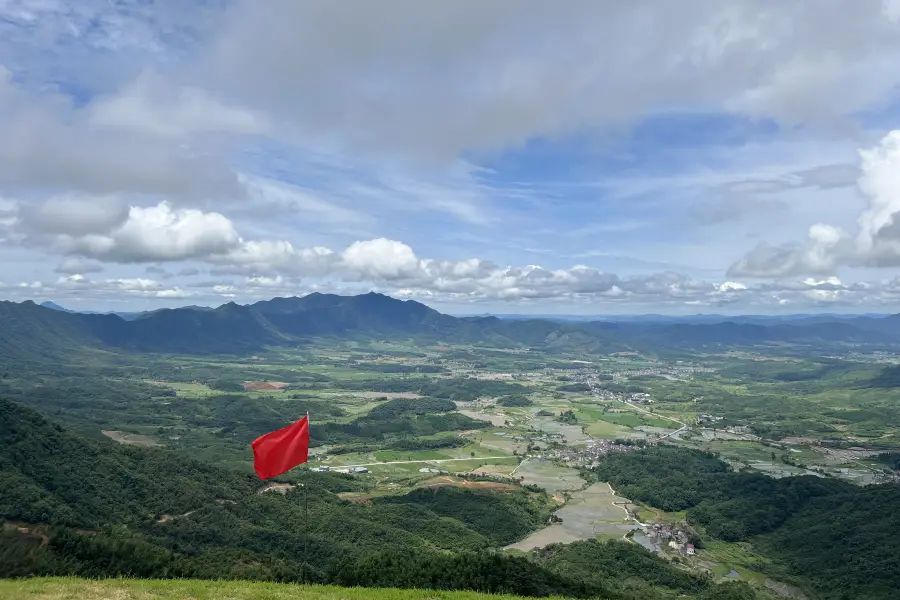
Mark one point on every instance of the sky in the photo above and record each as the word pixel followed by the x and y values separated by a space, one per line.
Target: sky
pixel 508 156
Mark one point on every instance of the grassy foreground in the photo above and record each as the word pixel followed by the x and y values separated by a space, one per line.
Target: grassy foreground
pixel 65 588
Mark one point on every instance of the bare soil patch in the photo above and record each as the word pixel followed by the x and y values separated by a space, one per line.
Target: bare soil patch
pixel 445 481
pixel 281 488
pixel 131 439
pixel 28 531
pixel 167 518
pixel 264 386
pixel 355 497
pixel 495 419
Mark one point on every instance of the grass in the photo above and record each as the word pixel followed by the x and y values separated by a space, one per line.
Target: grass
pixel 607 430
pixel 738 556
pixel 189 389
pixel 184 589
pixel 391 455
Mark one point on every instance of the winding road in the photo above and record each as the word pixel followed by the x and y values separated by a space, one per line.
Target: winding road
pixel 406 462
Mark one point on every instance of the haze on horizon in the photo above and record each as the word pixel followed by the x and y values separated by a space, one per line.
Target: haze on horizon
pixel 501 157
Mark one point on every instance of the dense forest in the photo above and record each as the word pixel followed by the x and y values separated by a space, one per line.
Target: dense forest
pixel 80 506
pixel 821 529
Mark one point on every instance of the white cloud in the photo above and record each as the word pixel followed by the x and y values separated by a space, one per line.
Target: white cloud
pixel 77 266
pixel 74 215
pixel 381 259
pixel 268 256
pixel 440 79
pixel 269 196
pixel 50 144
pixel 158 233
pixel 137 284
pixel 876 243
pixel 149 106
pixel 878 240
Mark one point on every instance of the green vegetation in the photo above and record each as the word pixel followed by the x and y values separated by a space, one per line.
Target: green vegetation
pixel 613 566
pixel 96 509
pixel 60 588
pixel 574 387
pixel 464 390
pixel 514 400
pixel 891 459
pixel 381 379
pixel 805 523
pixel 568 417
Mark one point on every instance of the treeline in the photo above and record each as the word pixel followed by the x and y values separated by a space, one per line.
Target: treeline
pixel 807 523
pixel 506 518
pixel 891 459
pixel 411 406
pixel 730 505
pixel 574 387
pixel 398 368
pixel 398 418
pixel 464 390
pixel 94 403
pixel 405 444
pixel 513 400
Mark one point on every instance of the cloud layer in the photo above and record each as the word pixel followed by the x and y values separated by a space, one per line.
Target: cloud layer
pixel 644 156
pixel 876 242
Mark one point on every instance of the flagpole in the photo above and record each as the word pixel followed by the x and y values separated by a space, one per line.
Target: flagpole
pixel 306 518
pixel 305 527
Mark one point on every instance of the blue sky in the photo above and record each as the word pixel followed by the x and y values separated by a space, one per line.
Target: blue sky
pixel 508 156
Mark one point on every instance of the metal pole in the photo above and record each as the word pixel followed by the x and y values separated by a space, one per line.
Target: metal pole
pixel 306 515
pixel 305 525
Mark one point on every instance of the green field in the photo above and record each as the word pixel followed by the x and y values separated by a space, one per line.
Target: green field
pixel 369 406
pixel 722 557
pixel 59 588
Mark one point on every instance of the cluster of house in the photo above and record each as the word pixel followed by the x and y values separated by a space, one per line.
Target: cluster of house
pixel 640 398
pixel 708 419
pixel 587 455
pixel 345 470
pixel 674 536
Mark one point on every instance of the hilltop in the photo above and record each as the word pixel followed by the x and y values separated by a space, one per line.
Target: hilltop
pixel 59 588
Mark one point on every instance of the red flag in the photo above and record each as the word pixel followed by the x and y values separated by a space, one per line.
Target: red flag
pixel 280 451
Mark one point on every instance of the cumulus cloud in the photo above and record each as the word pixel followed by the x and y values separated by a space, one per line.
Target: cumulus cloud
pixel 267 256
pixel 876 243
pixel 878 240
pixel 392 267
pixel 158 233
pixel 381 259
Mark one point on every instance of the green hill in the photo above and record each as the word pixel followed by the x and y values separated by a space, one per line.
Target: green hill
pixel 30 333
pixel 75 506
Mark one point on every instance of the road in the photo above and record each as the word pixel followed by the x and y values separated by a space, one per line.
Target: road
pixel 671 433
pixel 406 462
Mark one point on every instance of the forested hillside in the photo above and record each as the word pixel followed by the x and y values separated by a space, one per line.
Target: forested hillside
pixel 78 506
pixel 837 536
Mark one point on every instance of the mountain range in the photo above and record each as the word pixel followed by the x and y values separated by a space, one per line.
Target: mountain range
pixel 32 331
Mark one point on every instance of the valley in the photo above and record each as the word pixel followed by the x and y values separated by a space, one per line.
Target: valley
pixel 406 432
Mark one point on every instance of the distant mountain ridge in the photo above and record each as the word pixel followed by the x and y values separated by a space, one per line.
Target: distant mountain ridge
pixel 128 316
pixel 31 331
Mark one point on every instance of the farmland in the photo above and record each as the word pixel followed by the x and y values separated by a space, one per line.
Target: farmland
pixel 423 419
